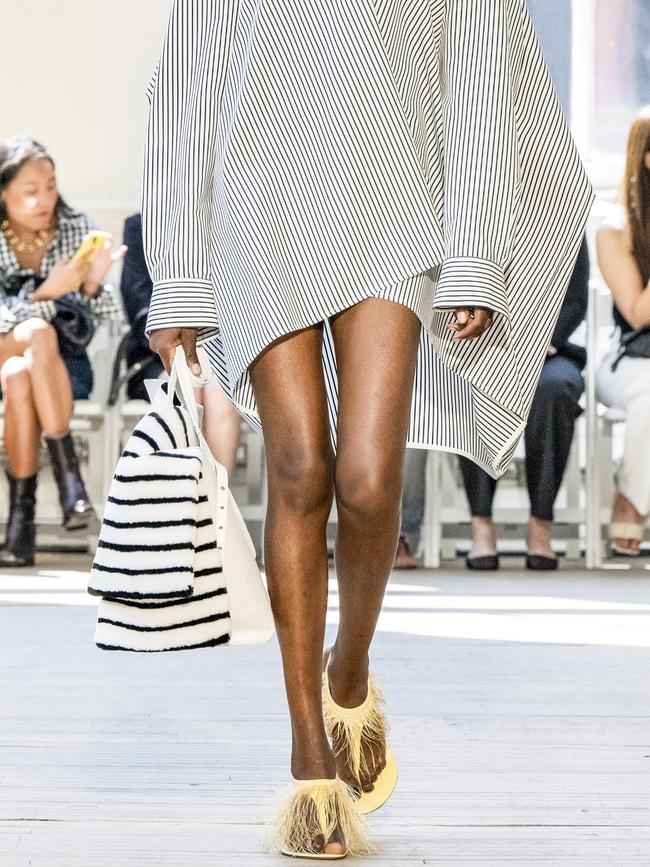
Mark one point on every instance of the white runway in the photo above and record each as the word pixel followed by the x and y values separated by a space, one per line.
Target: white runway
pixel 520 708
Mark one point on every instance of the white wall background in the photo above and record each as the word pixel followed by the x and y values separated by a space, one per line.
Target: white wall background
pixel 75 73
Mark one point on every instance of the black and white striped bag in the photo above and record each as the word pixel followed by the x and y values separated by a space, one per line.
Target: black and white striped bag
pixel 175 566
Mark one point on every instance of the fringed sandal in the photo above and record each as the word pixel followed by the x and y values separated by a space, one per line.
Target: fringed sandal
pixel 349 727
pixel 309 814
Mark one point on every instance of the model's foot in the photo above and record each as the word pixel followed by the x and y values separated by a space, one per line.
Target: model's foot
pixel 403 557
pixel 484 540
pixel 623 512
pixel 315 761
pixel 539 538
pixel 350 689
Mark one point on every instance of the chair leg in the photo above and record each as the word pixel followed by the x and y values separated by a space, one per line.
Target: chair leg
pixel 593 551
pixel 431 531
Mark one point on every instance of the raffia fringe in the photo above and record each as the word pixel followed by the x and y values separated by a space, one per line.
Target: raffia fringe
pixel 348 727
pixel 310 812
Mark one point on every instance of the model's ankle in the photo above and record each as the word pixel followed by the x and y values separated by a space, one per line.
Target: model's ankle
pixel 312 761
pixel 348 677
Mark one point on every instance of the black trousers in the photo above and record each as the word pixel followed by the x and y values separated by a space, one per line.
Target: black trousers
pixel 548 438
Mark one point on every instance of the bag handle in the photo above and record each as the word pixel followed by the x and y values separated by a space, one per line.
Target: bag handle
pixel 183 382
pixel 215 474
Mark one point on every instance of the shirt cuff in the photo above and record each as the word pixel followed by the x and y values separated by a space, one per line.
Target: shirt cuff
pixel 465 281
pixel 183 304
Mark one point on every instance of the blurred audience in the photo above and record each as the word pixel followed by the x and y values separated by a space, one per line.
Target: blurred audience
pixel 413 496
pixel 221 421
pixel 136 289
pixel 623 379
pixel 548 438
pixel 49 304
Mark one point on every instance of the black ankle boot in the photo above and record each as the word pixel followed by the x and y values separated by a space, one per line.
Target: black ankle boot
pixel 75 502
pixel 18 549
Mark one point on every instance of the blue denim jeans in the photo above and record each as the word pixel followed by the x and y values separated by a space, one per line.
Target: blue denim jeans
pixel 415 465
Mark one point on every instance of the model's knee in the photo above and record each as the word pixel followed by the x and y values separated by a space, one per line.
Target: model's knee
pixel 16 381
pixel 302 477
pixel 369 491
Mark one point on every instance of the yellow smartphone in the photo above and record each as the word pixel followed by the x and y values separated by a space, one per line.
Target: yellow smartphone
pixel 92 244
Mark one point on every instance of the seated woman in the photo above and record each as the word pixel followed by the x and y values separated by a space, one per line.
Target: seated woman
pixel 40 233
pixel 623 246
pixel 548 438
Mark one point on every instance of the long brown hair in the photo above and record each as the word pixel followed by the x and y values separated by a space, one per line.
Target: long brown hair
pixel 636 190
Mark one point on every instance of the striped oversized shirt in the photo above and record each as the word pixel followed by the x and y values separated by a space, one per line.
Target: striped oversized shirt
pixel 303 157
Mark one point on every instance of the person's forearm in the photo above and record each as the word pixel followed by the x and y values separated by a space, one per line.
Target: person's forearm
pixel 43 293
pixel 641 308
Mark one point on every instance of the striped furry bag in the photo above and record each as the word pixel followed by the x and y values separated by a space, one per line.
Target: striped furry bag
pixel 175 566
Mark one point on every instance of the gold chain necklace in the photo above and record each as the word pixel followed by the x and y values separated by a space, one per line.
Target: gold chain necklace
pixel 20 246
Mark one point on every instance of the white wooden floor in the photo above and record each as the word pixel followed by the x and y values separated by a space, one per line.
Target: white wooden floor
pixel 520 709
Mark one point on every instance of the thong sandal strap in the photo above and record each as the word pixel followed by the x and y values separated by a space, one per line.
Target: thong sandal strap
pixel 351 725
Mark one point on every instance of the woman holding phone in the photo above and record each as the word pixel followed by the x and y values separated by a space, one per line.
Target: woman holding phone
pixel 41 370
pixel 357 211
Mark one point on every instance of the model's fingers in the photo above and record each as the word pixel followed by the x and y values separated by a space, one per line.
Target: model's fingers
pixel 469 332
pixel 461 318
pixel 164 343
pixel 476 325
pixel 188 342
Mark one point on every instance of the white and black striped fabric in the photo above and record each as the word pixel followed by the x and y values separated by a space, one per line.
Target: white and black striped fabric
pixel 159 560
pixel 302 157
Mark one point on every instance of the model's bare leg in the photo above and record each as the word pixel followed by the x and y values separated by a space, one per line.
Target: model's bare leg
pixel 37 342
pixel 376 349
pixel 289 389
pixel 22 432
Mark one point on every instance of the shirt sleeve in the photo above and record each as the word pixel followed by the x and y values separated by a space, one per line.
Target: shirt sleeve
pixel 180 150
pixel 480 155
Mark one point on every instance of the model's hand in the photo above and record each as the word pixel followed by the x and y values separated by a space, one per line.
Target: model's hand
pixel 470 322
pixel 165 340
